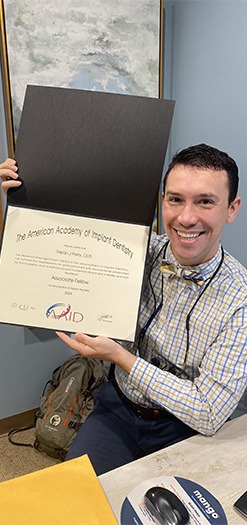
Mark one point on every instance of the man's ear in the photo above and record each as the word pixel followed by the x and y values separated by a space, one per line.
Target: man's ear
pixel 233 209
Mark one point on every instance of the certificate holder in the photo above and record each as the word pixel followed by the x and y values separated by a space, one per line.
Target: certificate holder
pixel 77 230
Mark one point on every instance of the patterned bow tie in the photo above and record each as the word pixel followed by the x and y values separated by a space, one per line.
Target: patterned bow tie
pixel 191 276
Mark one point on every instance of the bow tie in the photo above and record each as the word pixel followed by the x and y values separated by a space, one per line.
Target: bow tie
pixel 192 276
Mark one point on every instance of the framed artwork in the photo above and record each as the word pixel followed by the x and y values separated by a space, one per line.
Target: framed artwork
pixel 113 46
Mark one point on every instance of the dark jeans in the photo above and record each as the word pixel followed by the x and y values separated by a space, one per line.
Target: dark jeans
pixel 113 435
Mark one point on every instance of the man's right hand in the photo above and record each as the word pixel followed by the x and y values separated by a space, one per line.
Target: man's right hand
pixel 9 175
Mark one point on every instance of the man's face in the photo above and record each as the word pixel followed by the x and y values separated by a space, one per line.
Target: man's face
pixel 195 209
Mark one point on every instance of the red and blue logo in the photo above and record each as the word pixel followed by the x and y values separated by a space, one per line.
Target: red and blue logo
pixel 58 310
pixel 62 310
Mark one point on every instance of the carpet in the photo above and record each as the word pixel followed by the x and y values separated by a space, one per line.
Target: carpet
pixel 17 461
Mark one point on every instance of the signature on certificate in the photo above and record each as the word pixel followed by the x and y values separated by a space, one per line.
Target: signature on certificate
pixel 107 318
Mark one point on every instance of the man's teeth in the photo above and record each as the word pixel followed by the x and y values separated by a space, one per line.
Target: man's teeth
pixel 188 235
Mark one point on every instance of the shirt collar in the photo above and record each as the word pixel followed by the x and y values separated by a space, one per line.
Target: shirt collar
pixel 206 269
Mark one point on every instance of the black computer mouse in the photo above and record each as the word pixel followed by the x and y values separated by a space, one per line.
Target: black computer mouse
pixel 166 507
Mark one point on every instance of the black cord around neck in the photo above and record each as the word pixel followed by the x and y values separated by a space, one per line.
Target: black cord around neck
pixel 156 308
pixel 187 322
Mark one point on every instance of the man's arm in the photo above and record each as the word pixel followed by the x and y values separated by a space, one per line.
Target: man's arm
pixel 205 403
pixel 100 348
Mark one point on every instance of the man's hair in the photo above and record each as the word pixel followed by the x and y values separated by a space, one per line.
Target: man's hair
pixel 206 157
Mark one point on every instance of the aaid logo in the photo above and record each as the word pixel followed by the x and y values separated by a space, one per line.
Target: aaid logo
pixel 59 310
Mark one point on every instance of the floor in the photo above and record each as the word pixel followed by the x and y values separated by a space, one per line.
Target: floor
pixel 19 460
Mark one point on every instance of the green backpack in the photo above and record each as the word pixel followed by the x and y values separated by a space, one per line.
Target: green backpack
pixel 65 404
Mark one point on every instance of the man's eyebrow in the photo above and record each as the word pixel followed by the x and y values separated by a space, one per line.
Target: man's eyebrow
pixel 199 195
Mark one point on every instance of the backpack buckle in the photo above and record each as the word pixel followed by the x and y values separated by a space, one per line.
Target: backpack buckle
pixel 72 424
pixel 75 425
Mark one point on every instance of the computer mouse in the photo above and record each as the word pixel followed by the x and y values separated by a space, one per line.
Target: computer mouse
pixel 166 507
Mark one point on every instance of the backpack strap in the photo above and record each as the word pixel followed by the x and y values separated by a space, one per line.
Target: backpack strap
pixel 16 431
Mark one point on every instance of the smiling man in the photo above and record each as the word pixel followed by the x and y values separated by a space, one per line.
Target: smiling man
pixel 196 206
pixel 187 370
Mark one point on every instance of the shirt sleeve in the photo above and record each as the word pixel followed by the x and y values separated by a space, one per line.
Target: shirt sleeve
pixel 205 403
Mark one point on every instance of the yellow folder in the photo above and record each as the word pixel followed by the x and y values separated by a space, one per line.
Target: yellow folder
pixel 65 494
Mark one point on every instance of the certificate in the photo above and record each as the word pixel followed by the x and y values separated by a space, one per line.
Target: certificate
pixel 72 273
pixel 100 154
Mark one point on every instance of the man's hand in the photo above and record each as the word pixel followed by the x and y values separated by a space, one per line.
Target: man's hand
pixel 100 348
pixel 9 175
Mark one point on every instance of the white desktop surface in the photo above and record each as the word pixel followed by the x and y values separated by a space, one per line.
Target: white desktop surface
pixel 218 463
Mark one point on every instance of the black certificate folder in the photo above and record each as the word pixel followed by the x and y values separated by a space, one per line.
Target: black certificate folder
pixel 92 153
pixel 76 231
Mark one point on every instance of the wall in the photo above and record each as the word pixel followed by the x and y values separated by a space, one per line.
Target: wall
pixel 27 360
pixel 205 71
pixel 28 357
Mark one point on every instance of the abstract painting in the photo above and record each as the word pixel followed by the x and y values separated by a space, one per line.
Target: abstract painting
pixel 109 46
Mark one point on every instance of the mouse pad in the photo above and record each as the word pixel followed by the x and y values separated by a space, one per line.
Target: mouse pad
pixel 202 506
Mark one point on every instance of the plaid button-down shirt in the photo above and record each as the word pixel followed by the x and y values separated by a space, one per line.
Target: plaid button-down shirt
pixel 212 357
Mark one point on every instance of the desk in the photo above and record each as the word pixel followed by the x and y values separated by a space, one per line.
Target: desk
pixel 219 463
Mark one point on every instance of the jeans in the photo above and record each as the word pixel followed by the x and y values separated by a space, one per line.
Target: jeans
pixel 113 435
